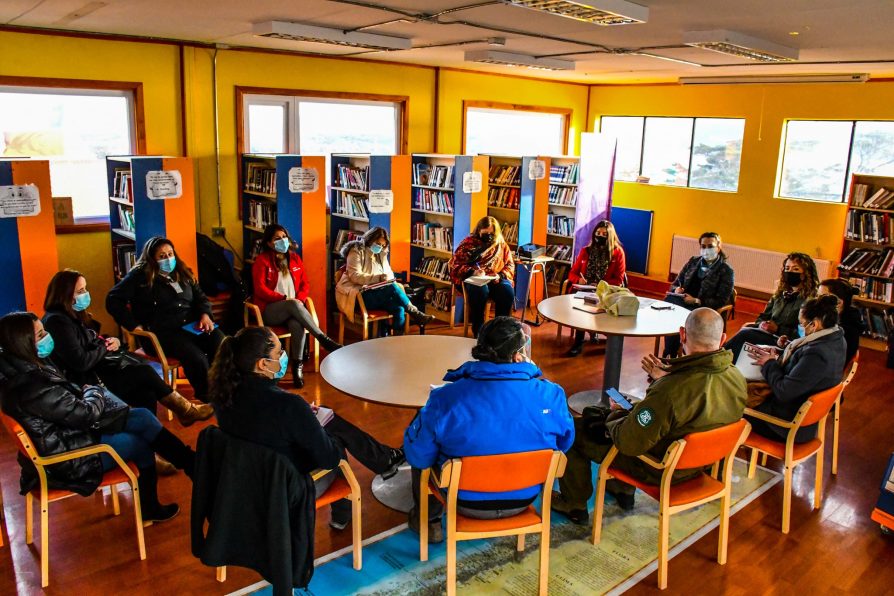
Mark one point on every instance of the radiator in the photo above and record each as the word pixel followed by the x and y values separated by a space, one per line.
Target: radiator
pixel 756 269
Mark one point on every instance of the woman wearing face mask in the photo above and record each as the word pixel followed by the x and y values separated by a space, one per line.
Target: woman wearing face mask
pixel 366 263
pixel 280 291
pixel 798 282
pixel 602 260
pixel 161 294
pixel 61 416
pixel 706 280
pixel 809 364
pixel 850 319
pixel 250 406
pixel 485 252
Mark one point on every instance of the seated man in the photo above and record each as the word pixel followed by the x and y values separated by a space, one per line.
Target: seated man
pixel 696 392
pixel 496 404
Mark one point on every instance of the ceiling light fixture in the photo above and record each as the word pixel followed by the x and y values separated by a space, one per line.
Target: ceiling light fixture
pixel 668 58
pixel 598 12
pixel 733 43
pixel 511 59
pixel 807 78
pixel 327 35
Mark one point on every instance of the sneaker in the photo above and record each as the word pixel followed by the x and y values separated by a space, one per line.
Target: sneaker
pixel 560 505
pixel 626 501
pixel 435 531
pixel 394 463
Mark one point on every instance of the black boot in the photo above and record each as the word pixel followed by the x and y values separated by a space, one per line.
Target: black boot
pixel 578 344
pixel 167 445
pixel 329 344
pixel 152 510
pixel 420 318
pixel 298 375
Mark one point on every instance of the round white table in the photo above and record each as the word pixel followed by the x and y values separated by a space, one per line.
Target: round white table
pixel 395 371
pixel 648 322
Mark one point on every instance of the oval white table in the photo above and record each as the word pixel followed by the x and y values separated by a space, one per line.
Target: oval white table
pixel 648 322
pixel 395 371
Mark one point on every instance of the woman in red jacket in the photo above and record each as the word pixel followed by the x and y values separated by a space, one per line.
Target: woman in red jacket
pixel 280 289
pixel 602 260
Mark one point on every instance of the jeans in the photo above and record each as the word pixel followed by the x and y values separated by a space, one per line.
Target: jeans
pixel 195 353
pixel 133 443
pixel 501 292
pixel 139 386
pixel 393 300
pixel 295 316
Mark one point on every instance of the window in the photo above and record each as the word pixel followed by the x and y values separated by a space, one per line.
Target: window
pixel 514 130
pixel 819 156
pixel 694 152
pixel 74 129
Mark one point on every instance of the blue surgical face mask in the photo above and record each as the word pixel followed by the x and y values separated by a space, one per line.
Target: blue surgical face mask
pixel 376 248
pixel 283 365
pixel 281 245
pixel 167 265
pixel 801 331
pixel 45 346
pixel 81 301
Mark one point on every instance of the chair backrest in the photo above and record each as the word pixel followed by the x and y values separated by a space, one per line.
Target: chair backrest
pixel 505 472
pixel 252 311
pixel 23 441
pixel 850 369
pixel 339 272
pixel 820 404
pixel 705 448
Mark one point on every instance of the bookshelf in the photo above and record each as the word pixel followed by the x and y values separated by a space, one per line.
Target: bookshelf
pixel 268 197
pixel 441 216
pixel 867 256
pixel 29 257
pixel 562 199
pixel 134 217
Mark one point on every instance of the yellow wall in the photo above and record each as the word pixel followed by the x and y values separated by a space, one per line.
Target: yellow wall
pixel 751 216
pixel 90 254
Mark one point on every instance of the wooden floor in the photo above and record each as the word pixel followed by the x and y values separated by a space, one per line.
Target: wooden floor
pixel 834 550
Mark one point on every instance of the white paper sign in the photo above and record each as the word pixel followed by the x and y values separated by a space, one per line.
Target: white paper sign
pixel 19 201
pixel 164 184
pixel 537 169
pixel 472 181
pixel 303 179
pixel 381 201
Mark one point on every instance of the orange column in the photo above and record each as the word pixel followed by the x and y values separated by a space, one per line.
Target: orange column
pixel 313 237
pixel 399 254
pixel 180 214
pixel 37 234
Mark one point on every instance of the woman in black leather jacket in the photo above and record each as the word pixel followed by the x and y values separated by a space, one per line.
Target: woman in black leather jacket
pixel 162 295
pixel 60 416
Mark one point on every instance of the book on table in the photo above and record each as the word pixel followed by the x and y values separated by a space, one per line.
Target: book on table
pixel 480 280
pixel 583 287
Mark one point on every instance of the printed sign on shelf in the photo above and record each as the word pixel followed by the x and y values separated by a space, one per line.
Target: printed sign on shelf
pixel 472 181
pixel 164 184
pixel 303 179
pixel 537 169
pixel 381 201
pixel 19 200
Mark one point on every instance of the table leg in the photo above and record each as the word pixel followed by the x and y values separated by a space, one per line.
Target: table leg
pixel 396 492
pixel 611 377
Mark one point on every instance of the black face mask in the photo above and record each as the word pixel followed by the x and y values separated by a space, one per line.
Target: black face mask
pixel 487 238
pixel 792 278
pixel 600 240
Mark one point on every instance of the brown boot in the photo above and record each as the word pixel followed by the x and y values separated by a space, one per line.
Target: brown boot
pixel 186 411
pixel 163 467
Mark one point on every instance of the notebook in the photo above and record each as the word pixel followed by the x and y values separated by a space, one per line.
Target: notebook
pixel 480 280
pixel 324 415
pixel 746 365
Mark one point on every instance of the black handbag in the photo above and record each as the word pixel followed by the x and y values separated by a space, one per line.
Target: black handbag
pixel 594 418
pixel 122 359
pixel 114 411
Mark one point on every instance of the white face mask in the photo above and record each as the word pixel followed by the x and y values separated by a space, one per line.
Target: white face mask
pixel 709 254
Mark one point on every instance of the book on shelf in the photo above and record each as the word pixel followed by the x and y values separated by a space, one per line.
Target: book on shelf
pixel 871 288
pixel 345 236
pixel 562 195
pixel 879 322
pixel 425 174
pixel 441 299
pixel 505 197
pixel 260 214
pixel 126 218
pixel 352 177
pixel 869 261
pixel 432 235
pixel 556 273
pixel 259 177
pixel 125 258
pixel 500 174
pixel 256 248
pixel 877 228
pixel 560 225
pixel 510 231
pixel 560 252
pixel 351 205
pixel 433 200
pixel 122 188
pixel 882 198
pixel 564 174
pixel 434 267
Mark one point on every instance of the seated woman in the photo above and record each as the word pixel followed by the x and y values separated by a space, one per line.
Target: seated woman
pixel 809 364
pixel 485 252
pixel 602 260
pixel 161 294
pixel 798 282
pixel 366 264
pixel 86 358
pixel 61 416
pixel 250 406
pixel 706 280
pixel 850 319
pixel 280 291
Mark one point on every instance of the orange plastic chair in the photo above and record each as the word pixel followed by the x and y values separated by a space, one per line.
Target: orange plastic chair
pixel 489 305
pixel 492 473
pixel 344 487
pixel 850 369
pixel 815 410
pixel 252 317
pixel 169 366
pixel 124 473
pixel 695 450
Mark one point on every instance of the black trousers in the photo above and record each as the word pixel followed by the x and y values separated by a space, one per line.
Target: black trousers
pixel 367 450
pixel 751 335
pixel 672 342
pixel 138 385
pixel 195 353
pixel 501 292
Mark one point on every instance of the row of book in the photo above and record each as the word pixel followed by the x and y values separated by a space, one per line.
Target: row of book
pixel 122 188
pixel 563 195
pixel 559 224
pixel 260 214
pixel 126 218
pixel 433 200
pixel 440 298
pixel 564 174
pixel 350 205
pixel 560 252
pixel 433 267
pixel 874 289
pixel 504 174
pixel 501 196
pixel 345 236
pixel 510 231
pixel 879 323
pixel 260 177
pixel 433 235
pixel 869 227
pixel 256 248
pixel 125 255
pixel 882 198
pixel 869 262
pixel 353 178
pixel 425 174
pixel 557 273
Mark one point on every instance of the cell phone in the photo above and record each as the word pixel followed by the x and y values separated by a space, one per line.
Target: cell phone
pixel 753 349
pixel 618 398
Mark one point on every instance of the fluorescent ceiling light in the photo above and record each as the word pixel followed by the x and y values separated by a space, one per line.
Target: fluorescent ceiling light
pixel 817 78
pixel 511 59
pixel 313 33
pixel 668 58
pixel 740 45
pixel 599 12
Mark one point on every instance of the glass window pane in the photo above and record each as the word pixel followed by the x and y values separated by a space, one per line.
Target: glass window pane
pixel 815 160
pixel 666 150
pixel 266 128
pixel 873 151
pixel 75 133
pixel 717 153
pixel 629 132
pixel 342 127
pixel 514 132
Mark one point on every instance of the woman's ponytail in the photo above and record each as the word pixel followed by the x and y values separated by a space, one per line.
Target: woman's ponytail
pixel 235 360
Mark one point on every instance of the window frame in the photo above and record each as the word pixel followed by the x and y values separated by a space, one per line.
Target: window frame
pixel 513 107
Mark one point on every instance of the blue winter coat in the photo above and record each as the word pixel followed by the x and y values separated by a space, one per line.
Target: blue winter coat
pixel 487 409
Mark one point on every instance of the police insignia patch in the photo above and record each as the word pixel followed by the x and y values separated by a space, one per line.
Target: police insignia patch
pixel 645 417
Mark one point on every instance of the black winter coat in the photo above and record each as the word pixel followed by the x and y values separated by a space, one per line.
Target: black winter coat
pixel 159 308
pixel 57 416
pixel 78 351
pixel 851 322
pixel 717 286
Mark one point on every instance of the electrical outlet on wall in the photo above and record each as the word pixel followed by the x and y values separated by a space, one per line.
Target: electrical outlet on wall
pixel 218 232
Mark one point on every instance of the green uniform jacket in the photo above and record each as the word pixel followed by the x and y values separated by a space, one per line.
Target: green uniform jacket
pixel 701 392
pixel 784 313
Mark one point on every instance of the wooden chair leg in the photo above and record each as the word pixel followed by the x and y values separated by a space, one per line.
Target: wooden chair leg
pixel 764 458
pixel 423 523
pixel 597 509
pixel 29 519
pixel 44 541
pixel 221 574
pixel 357 532
pixel 723 539
pixel 116 506
pixel 752 464
pixel 316 345
pixel 366 325
pixel 786 498
pixel 138 516
pixel 451 563
pixel 818 484
pixel 341 329
pixel 544 560
pixel 835 421
pixel 663 535
pixel 520 544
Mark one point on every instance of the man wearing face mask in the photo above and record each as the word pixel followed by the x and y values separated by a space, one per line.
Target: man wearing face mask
pixel 706 280
pixel 697 392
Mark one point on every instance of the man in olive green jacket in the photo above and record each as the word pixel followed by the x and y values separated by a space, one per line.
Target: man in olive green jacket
pixel 697 392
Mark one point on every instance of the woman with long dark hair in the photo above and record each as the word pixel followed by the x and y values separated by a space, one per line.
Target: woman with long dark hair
pixel 281 288
pixel 161 294
pixel 850 319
